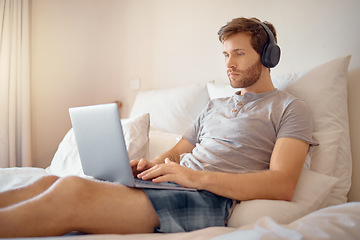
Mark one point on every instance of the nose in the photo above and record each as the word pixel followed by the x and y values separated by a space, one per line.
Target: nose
pixel 230 63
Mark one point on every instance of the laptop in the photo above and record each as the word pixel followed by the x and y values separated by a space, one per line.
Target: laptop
pixel 102 149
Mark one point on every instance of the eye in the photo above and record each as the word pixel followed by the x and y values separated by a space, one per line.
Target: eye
pixel 240 53
pixel 226 55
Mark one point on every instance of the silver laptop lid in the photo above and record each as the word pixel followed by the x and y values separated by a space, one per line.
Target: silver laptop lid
pixel 101 144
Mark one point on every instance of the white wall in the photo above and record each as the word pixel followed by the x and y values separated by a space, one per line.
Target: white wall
pixel 83 52
pixel 87 51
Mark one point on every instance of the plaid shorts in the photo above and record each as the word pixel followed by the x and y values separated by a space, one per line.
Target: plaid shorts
pixel 183 211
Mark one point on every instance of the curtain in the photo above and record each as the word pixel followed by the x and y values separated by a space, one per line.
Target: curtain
pixel 15 125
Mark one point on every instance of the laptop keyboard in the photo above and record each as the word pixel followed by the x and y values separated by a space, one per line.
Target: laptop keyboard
pixel 164 185
pixel 150 183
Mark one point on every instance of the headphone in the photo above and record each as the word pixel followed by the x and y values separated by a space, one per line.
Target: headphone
pixel 270 54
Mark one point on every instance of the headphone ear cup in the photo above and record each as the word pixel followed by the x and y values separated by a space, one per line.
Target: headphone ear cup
pixel 270 55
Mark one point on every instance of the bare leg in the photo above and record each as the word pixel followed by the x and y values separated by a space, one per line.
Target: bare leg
pixel 18 195
pixel 76 204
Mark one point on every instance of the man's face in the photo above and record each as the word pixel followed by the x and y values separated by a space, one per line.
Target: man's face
pixel 243 63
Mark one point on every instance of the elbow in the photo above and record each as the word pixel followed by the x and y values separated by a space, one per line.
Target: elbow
pixel 288 192
pixel 288 196
pixel 286 187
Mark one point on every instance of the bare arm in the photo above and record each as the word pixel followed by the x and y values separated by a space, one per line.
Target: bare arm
pixel 279 182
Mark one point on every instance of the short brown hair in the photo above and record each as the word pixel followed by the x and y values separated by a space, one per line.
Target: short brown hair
pixel 250 26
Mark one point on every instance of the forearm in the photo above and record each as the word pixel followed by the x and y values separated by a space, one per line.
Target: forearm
pixel 171 155
pixel 259 185
pixel 183 146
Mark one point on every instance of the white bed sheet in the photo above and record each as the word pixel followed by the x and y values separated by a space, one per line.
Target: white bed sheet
pixel 337 222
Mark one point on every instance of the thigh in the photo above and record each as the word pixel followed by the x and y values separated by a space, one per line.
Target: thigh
pixel 103 207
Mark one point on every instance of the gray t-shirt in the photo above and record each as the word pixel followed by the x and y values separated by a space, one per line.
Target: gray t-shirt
pixel 237 134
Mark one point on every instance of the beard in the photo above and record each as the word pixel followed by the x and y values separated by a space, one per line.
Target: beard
pixel 248 77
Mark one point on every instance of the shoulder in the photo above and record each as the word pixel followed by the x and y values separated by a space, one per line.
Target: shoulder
pixel 285 96
pixel 291 112
pixel 289 101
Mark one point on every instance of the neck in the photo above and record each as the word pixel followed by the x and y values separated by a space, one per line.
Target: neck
pixel 264 84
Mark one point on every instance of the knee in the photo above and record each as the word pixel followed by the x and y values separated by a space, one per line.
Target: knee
pixel 48 180
pixel 72 188
pixel 73 183
pixel 44 182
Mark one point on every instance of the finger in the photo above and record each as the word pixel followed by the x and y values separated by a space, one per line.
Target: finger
pixel 157 171
pixel 163 178
pixel 142 164
pixel 168 178
pixel 147 171
pixel 152 172
pixel 133 163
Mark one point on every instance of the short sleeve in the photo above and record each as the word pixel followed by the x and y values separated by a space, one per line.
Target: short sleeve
pixel 296 122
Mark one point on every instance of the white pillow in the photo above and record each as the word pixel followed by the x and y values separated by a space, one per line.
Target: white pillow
pixel 311 191
pixel 172 110
pixel 160 142
pixel 66 160
pixel 324 156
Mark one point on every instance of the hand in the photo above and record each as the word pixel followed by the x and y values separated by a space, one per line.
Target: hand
pixel 171 172
pixel 138 166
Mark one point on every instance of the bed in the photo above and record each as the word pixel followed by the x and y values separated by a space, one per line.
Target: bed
pixel 319 209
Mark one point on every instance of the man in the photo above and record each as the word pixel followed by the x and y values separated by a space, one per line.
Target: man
pixel 249 146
